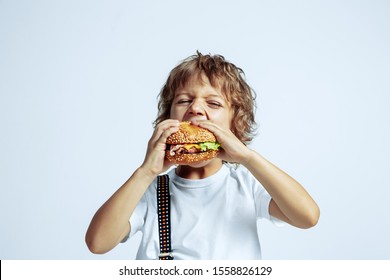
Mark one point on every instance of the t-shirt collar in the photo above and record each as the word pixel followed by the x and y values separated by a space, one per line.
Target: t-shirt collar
pixel 198 183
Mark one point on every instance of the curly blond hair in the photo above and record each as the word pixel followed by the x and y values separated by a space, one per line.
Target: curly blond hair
pixel 223 74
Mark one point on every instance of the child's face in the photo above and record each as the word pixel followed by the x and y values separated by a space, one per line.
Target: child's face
pixel 198 99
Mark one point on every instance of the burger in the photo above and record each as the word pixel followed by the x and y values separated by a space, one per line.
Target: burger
pixel 191 144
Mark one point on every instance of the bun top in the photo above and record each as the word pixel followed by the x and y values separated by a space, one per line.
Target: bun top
pixel 188 134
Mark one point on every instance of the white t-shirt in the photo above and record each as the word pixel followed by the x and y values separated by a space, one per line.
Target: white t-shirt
pixel 211 218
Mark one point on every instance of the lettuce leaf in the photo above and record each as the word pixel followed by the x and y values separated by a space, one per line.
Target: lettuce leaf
pixel 204 146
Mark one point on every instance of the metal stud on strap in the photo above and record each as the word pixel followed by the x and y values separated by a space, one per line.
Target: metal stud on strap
pixel 164 217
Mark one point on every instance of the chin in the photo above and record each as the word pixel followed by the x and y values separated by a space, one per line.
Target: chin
pixel 200 164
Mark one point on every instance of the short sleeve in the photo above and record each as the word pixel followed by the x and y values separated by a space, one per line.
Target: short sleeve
pixel 263 199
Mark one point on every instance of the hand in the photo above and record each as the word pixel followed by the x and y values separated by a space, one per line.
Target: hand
pixel 233 150
pixel 155 161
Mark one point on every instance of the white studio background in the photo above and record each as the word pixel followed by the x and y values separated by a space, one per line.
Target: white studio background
pixel 78 87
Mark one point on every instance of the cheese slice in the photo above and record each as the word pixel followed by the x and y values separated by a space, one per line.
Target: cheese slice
pixel 189 146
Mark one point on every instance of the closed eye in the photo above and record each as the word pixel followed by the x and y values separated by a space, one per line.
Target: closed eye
pixel 214 104
pixel 183 101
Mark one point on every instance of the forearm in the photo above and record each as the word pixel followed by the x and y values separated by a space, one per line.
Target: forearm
pixel 111 221
pixel 295 204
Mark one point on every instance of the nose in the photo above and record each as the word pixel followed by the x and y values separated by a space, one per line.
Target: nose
pixel 196 108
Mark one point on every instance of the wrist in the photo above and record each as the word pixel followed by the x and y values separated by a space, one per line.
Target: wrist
pixel 247 158
pixel 146 173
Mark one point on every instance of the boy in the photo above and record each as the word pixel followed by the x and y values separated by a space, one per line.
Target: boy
pixel 214 205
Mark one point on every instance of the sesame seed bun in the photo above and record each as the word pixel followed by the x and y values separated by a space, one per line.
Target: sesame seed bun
pixel 190 134
pixel 185 159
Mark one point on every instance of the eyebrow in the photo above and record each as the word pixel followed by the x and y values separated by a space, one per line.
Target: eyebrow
pixel 216 95
pixel 188 94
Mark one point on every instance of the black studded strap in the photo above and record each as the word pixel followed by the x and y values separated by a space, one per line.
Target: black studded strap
pixel 164 217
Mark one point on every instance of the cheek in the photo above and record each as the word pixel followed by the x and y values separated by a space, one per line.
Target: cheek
pixel 175 113
pixel 224 119
pixel 230 120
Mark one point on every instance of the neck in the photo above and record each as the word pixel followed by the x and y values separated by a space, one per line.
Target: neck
pixel 195 172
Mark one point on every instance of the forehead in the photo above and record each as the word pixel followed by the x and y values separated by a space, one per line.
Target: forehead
pixel 198 81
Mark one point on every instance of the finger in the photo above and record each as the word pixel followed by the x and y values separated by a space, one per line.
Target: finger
pixel 219 132
pixel 163 127
pixel 167 133
pixel 206 124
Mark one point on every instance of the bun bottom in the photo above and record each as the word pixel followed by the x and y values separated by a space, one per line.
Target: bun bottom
pixel 185 159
